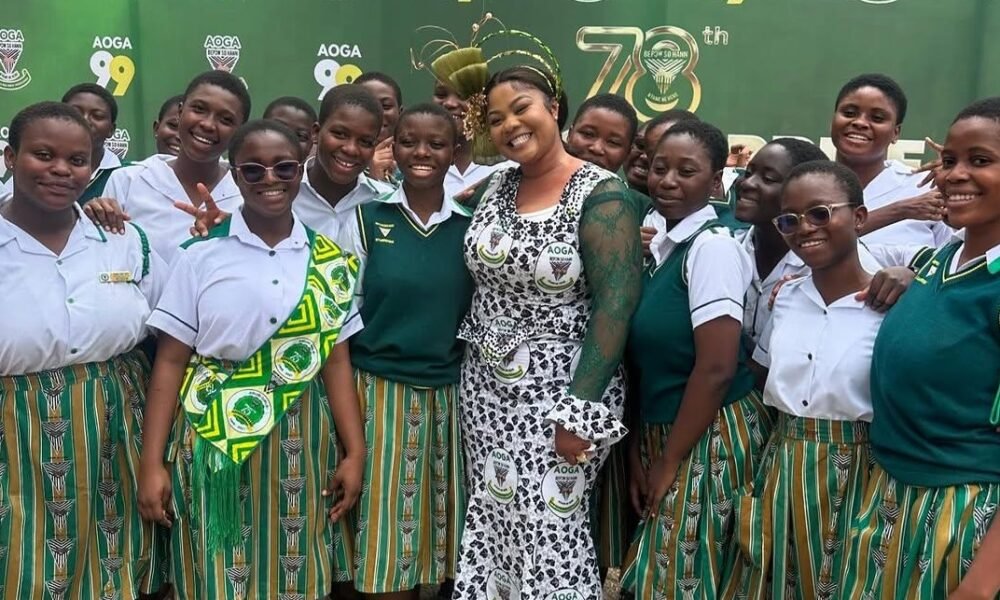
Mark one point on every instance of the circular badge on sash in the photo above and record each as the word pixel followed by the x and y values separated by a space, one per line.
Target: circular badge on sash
pixel 338 278
pixel 563 489
pixel 558 268
pixel 501 476
pixel 493 245
pixel 205 386
pixel 500 585
pixel 329 311
pixel 297 359
pixel 515 366
pixel 249 411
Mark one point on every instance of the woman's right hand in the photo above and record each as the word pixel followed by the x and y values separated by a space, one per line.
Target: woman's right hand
pixel 647 234
pixel 107 214
pixel 206 216
pixel 154 494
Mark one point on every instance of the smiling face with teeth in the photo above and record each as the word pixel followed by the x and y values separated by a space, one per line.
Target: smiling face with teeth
pixel 448 99
pixel 51 167
pixel 970 175
pixel 865 123
pixel 828 245
pixel 209 117
pixel 424 147
pixel 346 142
pixel 270 198
pixel 523 122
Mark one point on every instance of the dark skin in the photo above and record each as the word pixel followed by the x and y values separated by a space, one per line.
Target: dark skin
pixel 651 138
pixel 382 164
pixel 970 179
pixel 270 218
pixel 600 136
pixel 51 170
pixel 760 201
pixel 298 121
pixel 98 115
pixel 345 145
pixel 681 178
pixel 448 99
pixel 424 147
pixel 165 132
pixel 637 163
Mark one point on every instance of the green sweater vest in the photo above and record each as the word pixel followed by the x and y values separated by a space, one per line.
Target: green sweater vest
pixel 661 352
pixel 935 370
pixel 416 292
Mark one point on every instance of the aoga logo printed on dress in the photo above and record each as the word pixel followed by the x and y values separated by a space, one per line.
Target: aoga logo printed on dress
pixel 117 68
pixel 336 66
pixel 558 268
pixel 563 488
pixel 11 47
pixel 500 585
pixel 501 476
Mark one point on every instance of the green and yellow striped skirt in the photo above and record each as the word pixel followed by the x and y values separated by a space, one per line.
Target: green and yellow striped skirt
pixel 289 548
pixel 412 506
pixel 70 441
pixel 681 546
pixel 915 543
pixel 792 524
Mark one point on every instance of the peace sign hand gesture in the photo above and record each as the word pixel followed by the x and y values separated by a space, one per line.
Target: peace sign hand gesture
pixel 206 213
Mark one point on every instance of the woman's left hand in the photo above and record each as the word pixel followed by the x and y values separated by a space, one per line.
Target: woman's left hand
pixel 382 164
pixel 886 287
pixel 662 474
pixel 106 213
pixel 345 483
pixel 571 447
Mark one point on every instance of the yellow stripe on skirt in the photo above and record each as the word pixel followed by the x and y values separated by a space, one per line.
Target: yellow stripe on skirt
pixel 680 548
pixel 70 441
pixel 412 506
pixel 915 543
pixel 792 524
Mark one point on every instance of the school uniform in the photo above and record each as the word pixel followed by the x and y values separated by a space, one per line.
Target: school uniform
pixel 334 221
pixel 792 523
pixel 98 178
pixel 72 393
pixel 698 273
pixel 456 182
pixel 935 486
pixel 147 192
pixel 895 183
pixel 240 305
pixel 414 292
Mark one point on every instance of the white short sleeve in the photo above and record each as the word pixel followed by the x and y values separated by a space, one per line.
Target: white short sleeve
pixel 353 243
pixel 762 351
pixel 176 313
pixel 719 274
pixel 117 187
pixel 894 255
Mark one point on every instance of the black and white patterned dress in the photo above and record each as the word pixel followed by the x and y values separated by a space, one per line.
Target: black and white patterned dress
pixel 527 530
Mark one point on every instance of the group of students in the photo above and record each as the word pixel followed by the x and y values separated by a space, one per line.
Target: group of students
pixel 380 366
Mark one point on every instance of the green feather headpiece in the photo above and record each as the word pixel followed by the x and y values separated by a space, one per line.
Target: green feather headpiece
pixel 465 69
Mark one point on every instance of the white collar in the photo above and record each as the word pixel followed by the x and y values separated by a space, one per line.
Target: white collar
pixel 160 176
pixel 690 224
pixel 364 181
pixel 110 160
pixel 894 175
pixel 992 255
pixel 448 208
pixel 238 228
pixel 9 231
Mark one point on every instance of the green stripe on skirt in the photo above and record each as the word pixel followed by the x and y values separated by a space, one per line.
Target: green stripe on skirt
pixel 915 543
pixel 412 506
pixel 612 518
pixel 289 544
pixel 679 549
pixel 70 441
pixel 791 526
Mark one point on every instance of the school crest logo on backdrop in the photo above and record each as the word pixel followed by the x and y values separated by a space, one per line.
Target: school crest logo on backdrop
pixel 118 143
pixel 336 66
pixel 11 47
pixel 109 67
pixel 223 52
pixel 655 67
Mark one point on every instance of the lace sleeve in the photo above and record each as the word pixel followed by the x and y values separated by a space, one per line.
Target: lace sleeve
pixel 612 261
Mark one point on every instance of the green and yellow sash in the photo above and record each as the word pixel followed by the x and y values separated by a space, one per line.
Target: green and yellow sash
pixel 234 406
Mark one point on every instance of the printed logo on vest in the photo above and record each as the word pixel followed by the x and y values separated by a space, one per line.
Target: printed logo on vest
pixel 493 245
pixel 501 476
pixel 558 268
pixel 563 489
pixel 500 585
pixel 249 411
pixel 11 47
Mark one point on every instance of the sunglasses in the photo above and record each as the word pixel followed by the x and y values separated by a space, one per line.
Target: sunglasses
pixel 286 170
pixel 817 216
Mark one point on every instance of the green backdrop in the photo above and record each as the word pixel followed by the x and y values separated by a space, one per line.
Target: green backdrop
pixel 756 68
